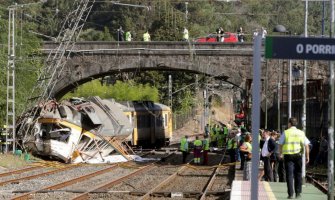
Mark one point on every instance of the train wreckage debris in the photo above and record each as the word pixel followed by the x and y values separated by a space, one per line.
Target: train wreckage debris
pixel 77 130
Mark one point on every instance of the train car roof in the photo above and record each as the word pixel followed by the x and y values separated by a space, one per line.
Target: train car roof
pixel 141 106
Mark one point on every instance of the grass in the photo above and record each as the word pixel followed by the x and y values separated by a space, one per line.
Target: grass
pixel 12 161
pixel 320 169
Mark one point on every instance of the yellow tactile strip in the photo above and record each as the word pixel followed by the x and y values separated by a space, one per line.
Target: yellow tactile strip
pixel 269 191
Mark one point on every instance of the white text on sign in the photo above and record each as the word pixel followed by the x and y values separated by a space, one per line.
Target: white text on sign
pixel 315 49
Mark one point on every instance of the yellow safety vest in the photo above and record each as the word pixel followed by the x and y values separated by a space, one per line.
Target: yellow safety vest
pixel 205 144
pixel 146 37
pixel 225 131
pixel 185 36
pixel 183 144
pixel 294 138
pixel 128 36
pixel 197 144
pixel 231 144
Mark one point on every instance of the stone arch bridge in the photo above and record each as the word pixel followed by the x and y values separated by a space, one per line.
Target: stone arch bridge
pixel 90 60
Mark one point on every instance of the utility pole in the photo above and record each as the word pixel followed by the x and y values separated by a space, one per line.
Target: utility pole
pixel 186 12
pixel 290 89
pixel 305 99
pixel 206 105
pixel 331 116
pixel 265 92
pixel 10 105
pixel 170 91
pixel 197 128
pixel 278 104
pixel 10 97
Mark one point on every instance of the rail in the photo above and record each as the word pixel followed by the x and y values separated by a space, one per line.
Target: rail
pixel 114 182
pixel 65 183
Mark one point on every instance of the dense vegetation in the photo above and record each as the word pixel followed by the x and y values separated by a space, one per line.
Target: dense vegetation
pixel 164 19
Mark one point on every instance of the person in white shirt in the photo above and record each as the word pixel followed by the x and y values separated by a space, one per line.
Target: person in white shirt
pixel 264 33
pixel 267 150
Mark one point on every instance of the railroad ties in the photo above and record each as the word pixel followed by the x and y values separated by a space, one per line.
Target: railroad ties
pixel 163 175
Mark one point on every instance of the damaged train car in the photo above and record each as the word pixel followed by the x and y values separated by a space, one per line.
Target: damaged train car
pixel 78 130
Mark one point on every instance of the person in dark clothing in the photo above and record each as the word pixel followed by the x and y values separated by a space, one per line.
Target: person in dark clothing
pixel 240 34
pixel 219 34
pixel 184 147
pixel 242 138
pixel 274 157
pixel 231 144
pixel 120 34
pixel 268 149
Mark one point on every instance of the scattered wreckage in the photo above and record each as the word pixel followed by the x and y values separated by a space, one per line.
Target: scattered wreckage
pixel 78 130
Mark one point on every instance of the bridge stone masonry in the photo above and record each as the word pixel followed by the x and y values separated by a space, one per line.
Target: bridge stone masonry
pixel 231 62
pixel 90 60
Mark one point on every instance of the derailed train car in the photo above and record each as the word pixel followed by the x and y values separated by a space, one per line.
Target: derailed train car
pixel 77 130
pixel 152 123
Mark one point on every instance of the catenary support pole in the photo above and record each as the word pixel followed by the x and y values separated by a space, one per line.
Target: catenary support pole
pixel 278 104
pixel 256 105
pixel 305 98
pixel 170 91
pixel 331 116
pixel 266 89
pixel 290 89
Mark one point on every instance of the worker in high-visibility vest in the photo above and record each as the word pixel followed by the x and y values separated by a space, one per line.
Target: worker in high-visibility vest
pixel 197 150
pixel 232 145
pixel 205 147
pixel 185 34
pixel 128 36
pixel 213 135
pixel 146 37
pixel 225 133
pixel 220 138
pixel 291 144
pixel 184 147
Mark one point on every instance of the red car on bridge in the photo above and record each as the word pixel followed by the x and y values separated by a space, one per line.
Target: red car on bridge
pixel 228 38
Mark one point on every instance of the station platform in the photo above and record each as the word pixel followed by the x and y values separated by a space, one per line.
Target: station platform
pixel 241 190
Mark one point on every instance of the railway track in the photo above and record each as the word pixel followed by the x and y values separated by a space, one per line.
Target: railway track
pixel 155 179
pixel 190 182
pixel 319 180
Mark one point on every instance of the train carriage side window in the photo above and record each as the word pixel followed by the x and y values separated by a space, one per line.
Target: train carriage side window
pixel 159 121
pixel 166 120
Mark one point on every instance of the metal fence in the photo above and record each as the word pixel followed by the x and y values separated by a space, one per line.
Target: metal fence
pixel 181 118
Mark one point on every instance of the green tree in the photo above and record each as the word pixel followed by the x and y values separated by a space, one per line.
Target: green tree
pixel 120 91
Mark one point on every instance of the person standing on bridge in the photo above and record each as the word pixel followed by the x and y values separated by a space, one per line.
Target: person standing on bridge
pixel 291 145
pixel 146 36
pixel 120 34
pixel 184 147
pixel 185 35
pixel 240 34
pixel 128 36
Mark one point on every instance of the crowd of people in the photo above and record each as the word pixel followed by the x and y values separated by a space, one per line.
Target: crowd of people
pixel 281 154
pixel 127 36
pixel 122 36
